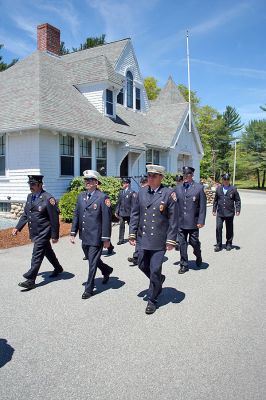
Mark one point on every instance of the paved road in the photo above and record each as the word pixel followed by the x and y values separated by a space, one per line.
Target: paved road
pixel 206 341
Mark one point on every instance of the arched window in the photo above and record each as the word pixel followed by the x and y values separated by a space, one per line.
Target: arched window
pixel 129 89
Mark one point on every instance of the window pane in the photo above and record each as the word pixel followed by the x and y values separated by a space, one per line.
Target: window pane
pixel 129 89
pixel 66 145
pixel 120 97
pixel 137 99
pixel 156 157
pixel 85 163
pixel 85 147
pixel 149 156
pixel 2 145
pixel 2 165
pixel 101 166
pixel 109 108
pixel 101 149
pixel 67 165
pixel 109 96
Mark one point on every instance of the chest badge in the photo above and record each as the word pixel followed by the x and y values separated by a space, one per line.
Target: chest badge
pixel 95 206
pixel 161 207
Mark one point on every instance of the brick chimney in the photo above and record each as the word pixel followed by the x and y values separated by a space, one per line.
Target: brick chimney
pixel 48 39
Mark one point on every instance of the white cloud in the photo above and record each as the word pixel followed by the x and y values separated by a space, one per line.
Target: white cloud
pixel 19 48
pixel 26 25
pixel 236 71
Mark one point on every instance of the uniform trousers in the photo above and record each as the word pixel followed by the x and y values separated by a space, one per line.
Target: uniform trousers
pixel 150 262
pixel 183 242
pixel 229 229
pixel 93 254
pixel 122 227
pixel 41 248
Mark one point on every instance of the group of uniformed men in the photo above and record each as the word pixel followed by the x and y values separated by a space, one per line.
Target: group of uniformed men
pixel 159 218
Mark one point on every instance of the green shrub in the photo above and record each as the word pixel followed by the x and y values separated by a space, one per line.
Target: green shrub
pixel 67 205
pixel 77 184
pixel 169 180
pixel 111 186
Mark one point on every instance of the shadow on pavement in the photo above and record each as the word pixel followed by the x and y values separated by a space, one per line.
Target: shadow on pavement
pixel 6 352
pixel 61 277
pixel 192 265
pixel 168 295
pixel 113 283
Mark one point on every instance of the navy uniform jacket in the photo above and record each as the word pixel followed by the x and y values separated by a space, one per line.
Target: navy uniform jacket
pixel 92 218
pixel 42 216
pixel 192 205
pixel 154 217
pixel 227 204
pixel 124 203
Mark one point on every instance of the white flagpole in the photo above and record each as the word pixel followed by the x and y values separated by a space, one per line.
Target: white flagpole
pixel 189 97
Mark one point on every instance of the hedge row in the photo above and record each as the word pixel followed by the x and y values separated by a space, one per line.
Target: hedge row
pixel 109 185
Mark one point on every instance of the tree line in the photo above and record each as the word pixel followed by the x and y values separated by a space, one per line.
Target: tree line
pixel 217 131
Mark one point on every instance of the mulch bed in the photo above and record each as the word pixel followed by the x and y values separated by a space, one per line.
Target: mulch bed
pixel 7 240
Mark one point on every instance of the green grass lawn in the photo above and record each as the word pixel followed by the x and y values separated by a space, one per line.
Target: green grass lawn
pixel 248 184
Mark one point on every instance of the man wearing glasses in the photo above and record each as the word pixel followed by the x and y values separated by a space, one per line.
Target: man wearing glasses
pixel 226 205
pixel 153 221
pixel 92 219
pixel 42 215
pixel 192 203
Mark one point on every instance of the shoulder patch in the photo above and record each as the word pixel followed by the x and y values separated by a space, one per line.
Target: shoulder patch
pixel 52 201
pixel 107 202
pixel 173 195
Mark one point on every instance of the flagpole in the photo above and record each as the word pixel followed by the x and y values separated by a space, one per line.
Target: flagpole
pixel 189 96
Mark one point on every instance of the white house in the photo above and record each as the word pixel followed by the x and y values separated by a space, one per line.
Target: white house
pixel 60 115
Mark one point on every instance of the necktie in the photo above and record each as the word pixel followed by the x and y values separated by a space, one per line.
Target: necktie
pixel 88 196
pixel 33 197
pixel 152 191
pixel 186 185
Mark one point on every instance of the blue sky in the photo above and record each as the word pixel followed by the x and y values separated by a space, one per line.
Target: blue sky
pixel 227 41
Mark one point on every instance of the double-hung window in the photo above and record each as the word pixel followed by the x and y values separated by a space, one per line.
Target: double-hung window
pixel 109 102
pixel 101 157
pixel 66 155
pixel 138 104
pixel 85 155
pixel 152 157
pixel 129 77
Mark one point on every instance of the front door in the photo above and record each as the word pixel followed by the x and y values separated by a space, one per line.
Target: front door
pixel 124 167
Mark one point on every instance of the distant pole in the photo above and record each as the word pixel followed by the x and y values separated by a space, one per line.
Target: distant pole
pixel 189 97
pixel 234 174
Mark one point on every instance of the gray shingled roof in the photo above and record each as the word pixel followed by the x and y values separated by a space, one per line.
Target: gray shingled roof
pixel 39 92
pixel 110 50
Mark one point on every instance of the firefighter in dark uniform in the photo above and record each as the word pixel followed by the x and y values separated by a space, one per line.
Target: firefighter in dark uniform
pixel 123 207
pixel 226 205
pixel 192 203
pixel 134 259
pixel 179 181
pixel 92 219
pixel 42 215
pixel 154 214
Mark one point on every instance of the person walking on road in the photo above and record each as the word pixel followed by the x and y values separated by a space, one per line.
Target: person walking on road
pixel 92 219
pixel 154 215
pixel 226 205
pixel 42 215
pixel 192 204
pixel 123 207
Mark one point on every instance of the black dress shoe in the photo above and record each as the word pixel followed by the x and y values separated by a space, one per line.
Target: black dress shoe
pixel 121 242
pixel 86 295
pixel 107 276
pixel 56 272
pixel 217 248
pixel 85 258
pixel 177 247
pixel 133 260
pixel 198 261
pixel 228 247
pixel 110 250
pixel 28 284
pixel 182 269
pixel 151 308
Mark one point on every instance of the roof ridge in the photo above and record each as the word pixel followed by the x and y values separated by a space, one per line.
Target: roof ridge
pixel 94 47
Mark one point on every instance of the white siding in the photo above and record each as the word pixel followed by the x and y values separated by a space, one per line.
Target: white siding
pixel 94 94
pixel 22 159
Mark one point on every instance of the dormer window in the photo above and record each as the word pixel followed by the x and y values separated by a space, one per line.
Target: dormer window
pixel 120 97
pixel 109 102
pixel 129 89
pixel 138 99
